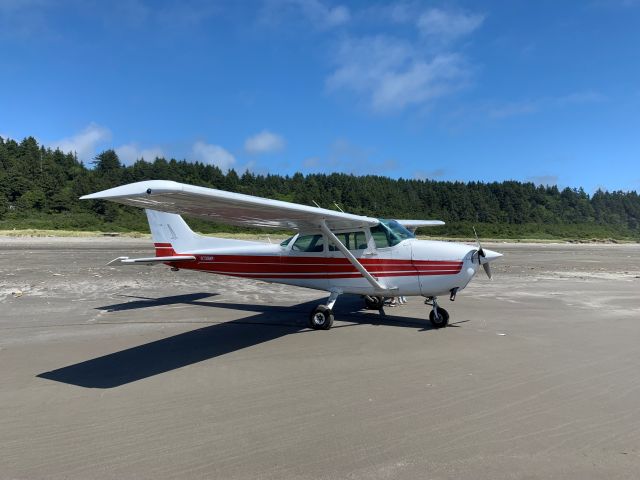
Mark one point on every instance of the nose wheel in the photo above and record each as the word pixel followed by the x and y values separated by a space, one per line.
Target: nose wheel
pixel 438 316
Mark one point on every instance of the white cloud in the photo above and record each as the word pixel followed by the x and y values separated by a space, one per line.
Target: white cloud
pixel 394 74
pixel 345 154
pixel 213 155
pixel 400 12
pixel 547 180
pixel 514 109
pixel 615 3
pixel 322 15
pixel 180 15
pixel 252 167
pixel 130 152
pixel 24 18
pixel 430 174
pixel 318 13
pixel 311 162
pixel 446 26
pixel 264 142
pixel 587 96
pixel 84 144
pixel 527 107
pixel 7 6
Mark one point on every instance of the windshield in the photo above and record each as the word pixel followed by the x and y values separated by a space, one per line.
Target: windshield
pixel 394 232
pixel 286 242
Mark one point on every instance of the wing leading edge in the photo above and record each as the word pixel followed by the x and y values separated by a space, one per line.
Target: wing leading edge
pixel 227 207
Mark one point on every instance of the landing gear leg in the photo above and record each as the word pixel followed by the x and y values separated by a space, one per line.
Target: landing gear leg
pixel 438 316
pixel 321 317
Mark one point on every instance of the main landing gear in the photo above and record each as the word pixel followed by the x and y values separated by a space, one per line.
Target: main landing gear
pixel 373 303
pixel 438 316
pixel 321 317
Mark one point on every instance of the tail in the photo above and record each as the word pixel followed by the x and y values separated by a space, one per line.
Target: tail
pixel 171 235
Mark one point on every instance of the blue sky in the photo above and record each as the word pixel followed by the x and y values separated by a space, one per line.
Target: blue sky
pixel 541 91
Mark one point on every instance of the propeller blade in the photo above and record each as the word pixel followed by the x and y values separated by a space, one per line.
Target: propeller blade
pixel 482 256
pixel 480 250
pixel 487 270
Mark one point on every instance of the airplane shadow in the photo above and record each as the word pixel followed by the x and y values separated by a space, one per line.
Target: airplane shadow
pixel 145 302
pixel 269 323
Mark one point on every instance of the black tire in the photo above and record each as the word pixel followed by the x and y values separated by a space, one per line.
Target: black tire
pixel 321 318
pixel 442 320
pixel 373 303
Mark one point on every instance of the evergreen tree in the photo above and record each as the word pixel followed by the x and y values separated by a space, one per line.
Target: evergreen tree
pixel 41 187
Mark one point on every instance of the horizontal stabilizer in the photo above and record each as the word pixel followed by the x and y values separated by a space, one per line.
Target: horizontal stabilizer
pixel 152 260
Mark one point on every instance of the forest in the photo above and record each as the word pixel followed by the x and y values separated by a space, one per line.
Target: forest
pixel 40 187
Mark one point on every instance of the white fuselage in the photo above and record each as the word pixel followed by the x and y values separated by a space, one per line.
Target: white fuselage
pixel 412 267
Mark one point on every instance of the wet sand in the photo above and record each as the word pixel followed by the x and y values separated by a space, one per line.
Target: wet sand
pixel 140 372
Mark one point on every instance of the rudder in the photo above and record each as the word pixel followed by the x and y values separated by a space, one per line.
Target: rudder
pixel 170 233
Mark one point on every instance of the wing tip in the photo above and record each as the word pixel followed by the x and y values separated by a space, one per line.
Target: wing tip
pixel 134 189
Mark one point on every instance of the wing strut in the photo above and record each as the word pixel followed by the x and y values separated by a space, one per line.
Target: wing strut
pixel 354 261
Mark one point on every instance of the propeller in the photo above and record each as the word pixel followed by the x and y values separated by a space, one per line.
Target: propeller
pixel 482 256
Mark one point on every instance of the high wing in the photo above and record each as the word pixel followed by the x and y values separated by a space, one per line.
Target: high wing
pixel 227 207
pixel 414 224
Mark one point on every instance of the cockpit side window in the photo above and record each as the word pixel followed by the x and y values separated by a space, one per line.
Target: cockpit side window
pixel 309 243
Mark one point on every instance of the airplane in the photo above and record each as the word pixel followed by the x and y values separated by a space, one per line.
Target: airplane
pixel 333 251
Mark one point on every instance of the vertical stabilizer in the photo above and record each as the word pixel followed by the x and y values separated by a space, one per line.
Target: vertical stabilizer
pixel 170 233
pixel 171 236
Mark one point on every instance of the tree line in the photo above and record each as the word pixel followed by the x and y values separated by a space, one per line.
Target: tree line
pixel 40 187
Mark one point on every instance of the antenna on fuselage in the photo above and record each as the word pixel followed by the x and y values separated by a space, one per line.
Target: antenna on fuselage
pixel 338 207
pixel 316 204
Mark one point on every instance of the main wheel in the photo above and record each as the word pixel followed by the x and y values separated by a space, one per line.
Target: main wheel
pixel 441 320
pixel 321 318
pixel 373 303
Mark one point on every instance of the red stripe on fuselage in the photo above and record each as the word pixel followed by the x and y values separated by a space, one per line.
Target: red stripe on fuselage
pixel 317 276
pixel 290 268
pixel 302 260
pixel 307 267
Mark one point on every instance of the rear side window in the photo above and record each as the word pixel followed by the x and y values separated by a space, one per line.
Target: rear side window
pixel 309 243
pixel 351 240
